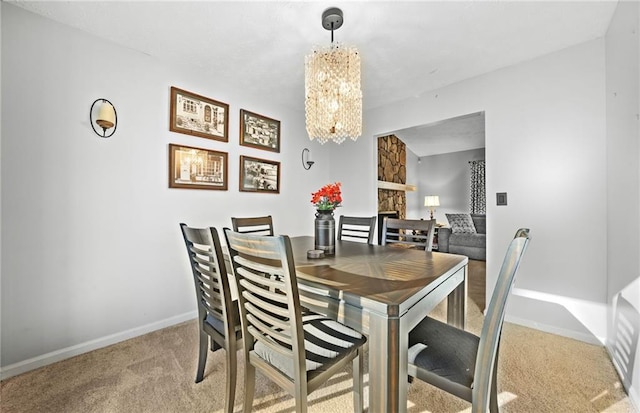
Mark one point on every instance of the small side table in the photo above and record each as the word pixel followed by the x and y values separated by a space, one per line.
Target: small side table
pixel 435 236
pixel 434 245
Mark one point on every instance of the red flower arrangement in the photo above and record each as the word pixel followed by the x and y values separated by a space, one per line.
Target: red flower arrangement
pixel 328 198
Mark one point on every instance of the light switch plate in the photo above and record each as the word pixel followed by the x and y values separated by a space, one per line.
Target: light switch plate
pixel 501 198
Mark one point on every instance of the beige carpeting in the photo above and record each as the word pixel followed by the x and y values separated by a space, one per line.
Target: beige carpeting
pixel 538 373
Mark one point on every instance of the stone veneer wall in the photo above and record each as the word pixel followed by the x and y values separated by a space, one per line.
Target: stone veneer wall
pixel 392 167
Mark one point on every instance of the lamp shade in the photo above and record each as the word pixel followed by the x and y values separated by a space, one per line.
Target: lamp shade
pixel 103 114
pixel 106 116
pixel 431 201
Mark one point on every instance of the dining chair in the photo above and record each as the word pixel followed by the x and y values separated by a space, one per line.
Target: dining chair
pixel 410 232
pixel 356 228
pixel 294 347
pixel 460 362
pixel 253 225
pixel 218 317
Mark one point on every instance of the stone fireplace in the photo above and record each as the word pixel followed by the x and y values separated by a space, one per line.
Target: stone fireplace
pixel 392 167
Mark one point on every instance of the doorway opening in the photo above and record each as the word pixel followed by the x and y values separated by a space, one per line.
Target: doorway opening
pixel 439 158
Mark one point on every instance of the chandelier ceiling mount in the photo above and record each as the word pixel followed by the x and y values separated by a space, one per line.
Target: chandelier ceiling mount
pixel 332 19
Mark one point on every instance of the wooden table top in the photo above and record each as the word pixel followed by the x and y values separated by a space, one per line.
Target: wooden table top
pixel 383 278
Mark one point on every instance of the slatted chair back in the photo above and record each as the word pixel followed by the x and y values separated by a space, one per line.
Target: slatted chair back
pixel 218 317
pixel 458 361
pixel 253 225
pixel 412 232
pixel 277 330
pixel 360 229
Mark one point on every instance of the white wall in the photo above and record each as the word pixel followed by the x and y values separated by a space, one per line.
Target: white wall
pixel 448 175
pixel 623 195
pixel 359 179
pixel 545 147
pixel 91 248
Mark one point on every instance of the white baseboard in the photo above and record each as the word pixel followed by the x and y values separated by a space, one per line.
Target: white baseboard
pixel 65 353
pixel 635 398
pixel 587 338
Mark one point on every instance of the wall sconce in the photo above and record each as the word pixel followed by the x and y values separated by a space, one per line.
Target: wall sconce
pixel 107 118
pixel 306 164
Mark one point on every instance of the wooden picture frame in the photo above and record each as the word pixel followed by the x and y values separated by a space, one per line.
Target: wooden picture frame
pixel 258 131
pixel 197 115
pixel 197 168
pixel 259 175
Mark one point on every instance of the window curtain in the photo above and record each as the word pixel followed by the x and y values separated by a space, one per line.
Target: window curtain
pixel 478 201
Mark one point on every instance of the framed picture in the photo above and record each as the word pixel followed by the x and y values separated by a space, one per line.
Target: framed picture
pixel 197 115
pixel 259 175
pixel 197 168
pixel 259 131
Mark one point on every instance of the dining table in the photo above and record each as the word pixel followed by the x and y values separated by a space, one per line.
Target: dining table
pixel 384 292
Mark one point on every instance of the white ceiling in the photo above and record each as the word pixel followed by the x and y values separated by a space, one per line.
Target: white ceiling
pixel 407 48
pixel 457 134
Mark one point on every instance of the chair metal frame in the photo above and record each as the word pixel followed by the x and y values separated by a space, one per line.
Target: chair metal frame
pixel 482 392
pixel 356 228
pixel 273 323
pixel 218 317
pixel 253 225
pixel 417 232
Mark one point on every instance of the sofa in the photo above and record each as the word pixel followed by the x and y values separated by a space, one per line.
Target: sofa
pixel 466 235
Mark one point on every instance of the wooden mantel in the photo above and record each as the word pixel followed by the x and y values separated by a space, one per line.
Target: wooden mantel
pixel 396 187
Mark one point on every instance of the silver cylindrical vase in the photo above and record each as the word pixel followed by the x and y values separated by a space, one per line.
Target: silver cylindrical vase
pixel 325 232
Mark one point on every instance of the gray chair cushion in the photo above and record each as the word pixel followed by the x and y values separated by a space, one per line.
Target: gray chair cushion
pixel 325 341
pixel 444 350
pixel 461 223
pixel 218 325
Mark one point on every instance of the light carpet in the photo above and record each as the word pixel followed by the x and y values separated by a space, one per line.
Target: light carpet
pixel 538 372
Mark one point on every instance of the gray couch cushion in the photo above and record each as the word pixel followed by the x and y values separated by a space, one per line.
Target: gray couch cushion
pixel 480 222
pixel 468 240
pixel 469 244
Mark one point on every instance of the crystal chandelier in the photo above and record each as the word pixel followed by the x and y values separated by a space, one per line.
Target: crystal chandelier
pixel 333 98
